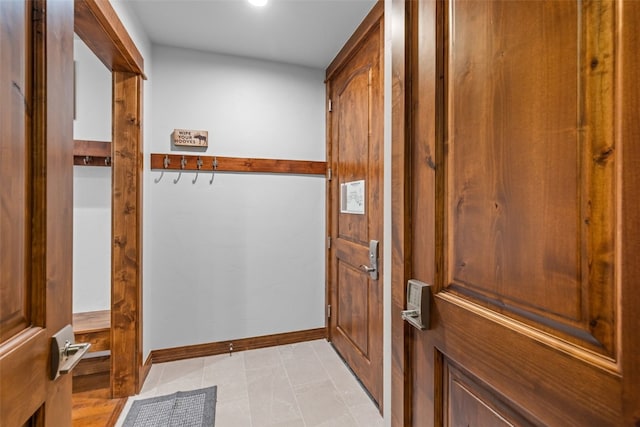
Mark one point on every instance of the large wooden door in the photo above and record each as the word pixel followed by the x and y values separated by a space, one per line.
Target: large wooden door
pixel 36 158
pixel 355 205
pixel 523 213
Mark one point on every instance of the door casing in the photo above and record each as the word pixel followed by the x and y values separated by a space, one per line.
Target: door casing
pixel 99 27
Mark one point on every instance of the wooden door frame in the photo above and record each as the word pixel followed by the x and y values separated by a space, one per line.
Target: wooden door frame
pixel 98 25
pixel 405 33
pixel 403 45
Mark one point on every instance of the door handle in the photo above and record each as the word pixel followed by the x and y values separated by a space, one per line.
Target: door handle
pixel 65 353
pixel 367 269
pixel 372 268
pixel 418 312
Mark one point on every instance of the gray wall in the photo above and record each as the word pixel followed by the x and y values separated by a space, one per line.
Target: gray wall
pixel 242 256
pixel 91 186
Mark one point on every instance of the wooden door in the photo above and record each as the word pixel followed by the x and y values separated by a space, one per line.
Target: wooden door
pixel 36 116
pixel 523 213
pixel 355 205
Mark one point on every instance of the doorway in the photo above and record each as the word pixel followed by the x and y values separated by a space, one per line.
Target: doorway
pixel 99 27
pixel 92 217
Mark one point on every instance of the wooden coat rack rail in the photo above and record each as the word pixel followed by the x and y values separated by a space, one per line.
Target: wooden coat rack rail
pixel 190 162
pixel 91 153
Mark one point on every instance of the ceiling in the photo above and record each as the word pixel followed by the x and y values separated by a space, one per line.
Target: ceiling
pixel 302 32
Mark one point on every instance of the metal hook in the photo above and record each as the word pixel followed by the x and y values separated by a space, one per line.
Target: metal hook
pixel 215 166
pixel 183 163
pixel 199 166
pixel 167 161
pixel 107 161
pixel 86 160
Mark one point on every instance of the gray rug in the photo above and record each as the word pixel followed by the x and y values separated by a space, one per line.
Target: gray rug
pixel 196 408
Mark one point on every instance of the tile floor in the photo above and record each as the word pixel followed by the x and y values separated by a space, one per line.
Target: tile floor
pixel 298 385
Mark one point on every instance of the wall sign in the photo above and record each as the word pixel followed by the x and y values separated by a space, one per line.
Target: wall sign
pixel 190 138
pixel 352 197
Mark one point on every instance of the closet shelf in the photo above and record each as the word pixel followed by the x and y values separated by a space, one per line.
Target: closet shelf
pixel 91 153
pixel 190 162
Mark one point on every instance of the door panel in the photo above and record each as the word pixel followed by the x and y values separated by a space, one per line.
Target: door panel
pixel 353 102
pixel 528 211
pixel 516 178
pixel 469 402
pixel 352 310
pixel 16 47
pixel 355 152
pixel 36 82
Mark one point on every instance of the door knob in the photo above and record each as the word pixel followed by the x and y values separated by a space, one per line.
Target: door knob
pixel 367 269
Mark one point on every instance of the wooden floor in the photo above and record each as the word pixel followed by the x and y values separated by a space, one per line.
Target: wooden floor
pixel 95 409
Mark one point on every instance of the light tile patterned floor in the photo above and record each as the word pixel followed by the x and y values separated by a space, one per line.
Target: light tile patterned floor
pixel 298 385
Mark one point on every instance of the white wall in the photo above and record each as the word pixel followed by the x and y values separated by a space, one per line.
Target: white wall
pixel 242 256
pixel 91 186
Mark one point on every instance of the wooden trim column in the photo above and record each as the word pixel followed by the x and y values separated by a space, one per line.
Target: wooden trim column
pixel 628 129
pixel 403 34
pixel 126 268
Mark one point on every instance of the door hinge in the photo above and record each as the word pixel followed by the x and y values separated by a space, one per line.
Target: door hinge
pixel 329 174
pixel 328 242
pixel 330 106
pixel 328 311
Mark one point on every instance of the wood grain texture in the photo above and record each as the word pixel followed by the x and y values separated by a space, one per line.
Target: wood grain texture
pixel 44 178
pixel 403 39
pixel 98 25
pixel 126 288
pixel 91 148
pixel 530 137
pixel 58 175
pixel 93 327
pixel 93 363
pixel 426 212
pixel 469 402
pixel 356 142
pixel 242 344
pixel 628 154
pixel 16 91
pixel 91 320
pixel 95 408
pixel 92 153
pixel 350 158
pixel 237 164
pixel 93 372
pixel 354 42
pixel 353 292
pixel 520 167
pixel 100 339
